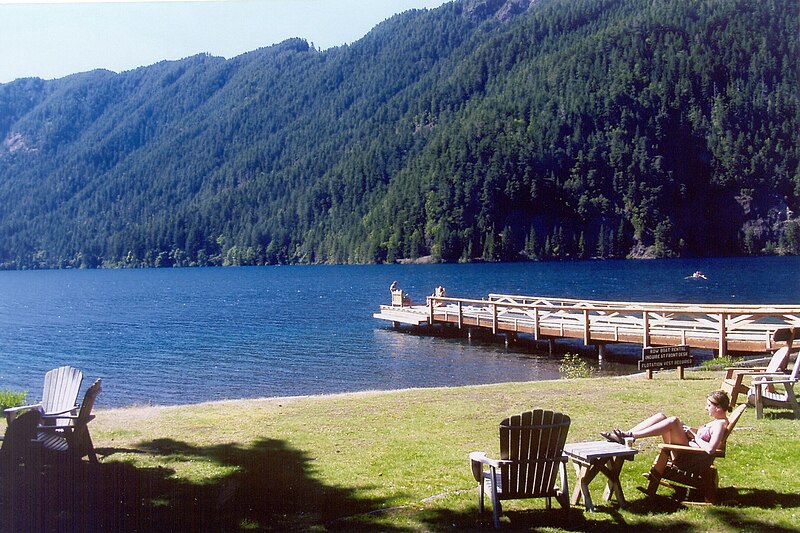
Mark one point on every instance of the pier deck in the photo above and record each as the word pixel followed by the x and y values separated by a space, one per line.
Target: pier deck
pixel 722 328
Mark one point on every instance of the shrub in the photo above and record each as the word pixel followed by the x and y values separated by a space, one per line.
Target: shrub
pixel 718 363
pixel 572 367
pixel 11 398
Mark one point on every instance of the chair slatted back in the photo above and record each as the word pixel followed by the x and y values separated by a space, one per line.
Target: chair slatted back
pixel 397 297
pixel 534 442
pixel 732 420
pixel 779 361
pixel 60 393
pixel 61 386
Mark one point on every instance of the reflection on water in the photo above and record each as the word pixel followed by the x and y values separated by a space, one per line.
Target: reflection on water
pixel 487 360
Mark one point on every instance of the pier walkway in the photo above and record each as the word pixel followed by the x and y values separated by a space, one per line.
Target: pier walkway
pixel 723 328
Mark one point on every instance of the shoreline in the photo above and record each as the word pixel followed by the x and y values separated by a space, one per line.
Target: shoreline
pixel 345 395
pixel 375 392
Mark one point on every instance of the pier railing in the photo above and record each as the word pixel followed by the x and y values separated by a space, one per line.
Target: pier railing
pixel 719 327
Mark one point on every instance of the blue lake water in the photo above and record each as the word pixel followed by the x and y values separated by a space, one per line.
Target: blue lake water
pixel 190 335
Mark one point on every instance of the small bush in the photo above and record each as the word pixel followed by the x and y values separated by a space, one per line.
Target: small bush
pixel 572 367
pixel 11 399
pixel 717 363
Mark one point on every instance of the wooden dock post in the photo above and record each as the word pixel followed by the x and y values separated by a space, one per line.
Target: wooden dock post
pixel 601 350
pixel 723 330
pixel 587 335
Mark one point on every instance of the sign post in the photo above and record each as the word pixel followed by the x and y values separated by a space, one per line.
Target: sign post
pixel 662 357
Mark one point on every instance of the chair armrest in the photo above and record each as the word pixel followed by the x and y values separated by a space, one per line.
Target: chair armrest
pixel 62 416
pixel 11 410
pixel 742 371
pixel 784 381
pixel 55 428
pixel 679 448
pixel 687 449
pixel 59 413
pixel 480 457
pixel 730 370
pixel 772 378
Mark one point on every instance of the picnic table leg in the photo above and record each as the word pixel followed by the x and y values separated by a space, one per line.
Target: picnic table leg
pixel 585 474
pixel 582 486
pixel 613 485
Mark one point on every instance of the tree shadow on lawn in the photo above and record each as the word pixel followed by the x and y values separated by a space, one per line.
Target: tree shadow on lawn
pixel 271 489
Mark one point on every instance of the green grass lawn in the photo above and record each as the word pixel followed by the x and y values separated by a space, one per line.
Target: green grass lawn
pixel 395 461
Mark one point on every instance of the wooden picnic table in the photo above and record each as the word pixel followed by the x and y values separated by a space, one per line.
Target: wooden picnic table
pixel 595 457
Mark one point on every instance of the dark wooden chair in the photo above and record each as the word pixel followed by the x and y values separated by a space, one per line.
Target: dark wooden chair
pixel 531 459
pixel 685 467
pixel 73 439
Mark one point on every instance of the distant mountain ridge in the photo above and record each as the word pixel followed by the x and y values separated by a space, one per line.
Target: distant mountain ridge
pixel 481 130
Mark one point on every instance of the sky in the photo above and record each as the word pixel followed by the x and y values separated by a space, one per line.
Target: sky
pixel 52 39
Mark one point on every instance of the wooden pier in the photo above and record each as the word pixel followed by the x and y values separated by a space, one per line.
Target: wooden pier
pixel 724 329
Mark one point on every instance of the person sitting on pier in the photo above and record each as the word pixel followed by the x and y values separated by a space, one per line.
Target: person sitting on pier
pixel 707 437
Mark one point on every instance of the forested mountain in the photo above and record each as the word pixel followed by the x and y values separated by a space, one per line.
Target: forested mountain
pixel 481 130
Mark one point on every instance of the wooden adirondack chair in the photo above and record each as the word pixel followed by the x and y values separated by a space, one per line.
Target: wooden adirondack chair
pixel 61 387
pixel 679 467
pixel 72 439
pixel 531 455
pixel 734 381
pixel 400 298
pixel 763 391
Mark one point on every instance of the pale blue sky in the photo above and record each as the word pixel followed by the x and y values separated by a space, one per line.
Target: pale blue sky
pixel 57 38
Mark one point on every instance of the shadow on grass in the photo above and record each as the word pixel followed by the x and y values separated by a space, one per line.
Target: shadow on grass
pixel 536 519
pixel 777 414
pixel 271 489
pixel 637 515
pixel 762 499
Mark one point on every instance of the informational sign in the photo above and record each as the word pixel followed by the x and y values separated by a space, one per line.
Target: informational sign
pixel 661 357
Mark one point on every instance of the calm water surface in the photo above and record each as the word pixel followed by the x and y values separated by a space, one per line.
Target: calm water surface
pixel 190 335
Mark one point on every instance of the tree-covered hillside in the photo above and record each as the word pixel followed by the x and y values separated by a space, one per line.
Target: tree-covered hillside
pixel 482 130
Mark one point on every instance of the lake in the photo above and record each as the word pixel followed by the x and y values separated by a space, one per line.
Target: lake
pixel 174 336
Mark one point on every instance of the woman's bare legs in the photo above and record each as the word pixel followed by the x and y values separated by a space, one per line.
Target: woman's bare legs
pixel 647 422
pixel 669 428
